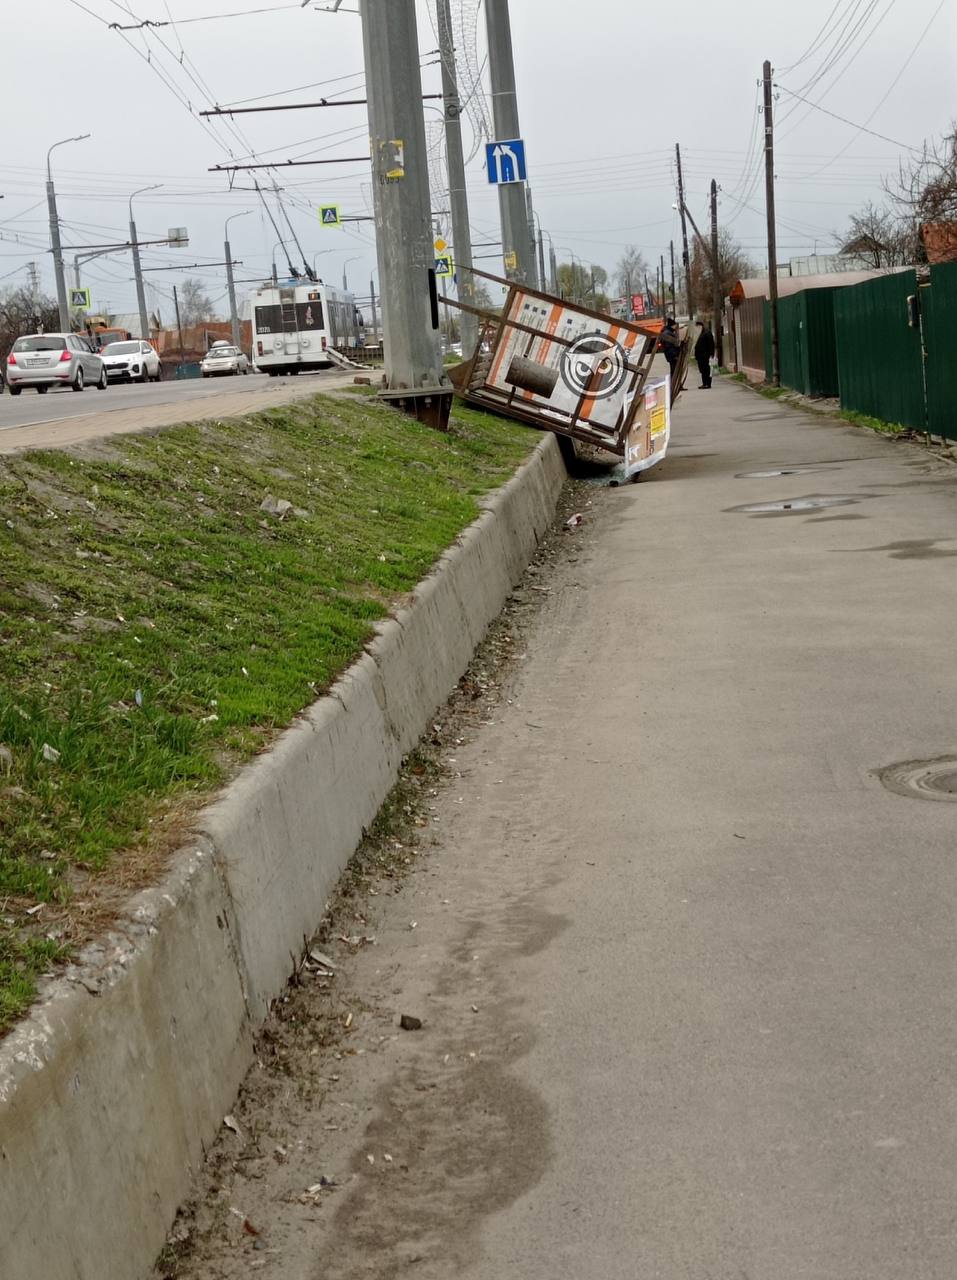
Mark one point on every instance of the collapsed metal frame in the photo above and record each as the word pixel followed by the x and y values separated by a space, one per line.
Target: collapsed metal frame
pixel 471 378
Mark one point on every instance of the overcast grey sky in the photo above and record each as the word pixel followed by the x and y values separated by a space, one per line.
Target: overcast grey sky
pixel 606 88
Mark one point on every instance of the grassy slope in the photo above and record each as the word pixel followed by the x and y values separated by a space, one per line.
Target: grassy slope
pixel 156 627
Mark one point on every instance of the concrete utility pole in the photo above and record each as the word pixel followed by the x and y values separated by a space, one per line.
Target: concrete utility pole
pixel 458 197
pixel 137 269
pixel 512 202
pixel 772 231
pixel 55 243
pixel 414 374
pixel 375 318
pixel 717 319
pixel 535 280
pixel 230 279
pixel 674 296
pixel 685 257
pixel 179 325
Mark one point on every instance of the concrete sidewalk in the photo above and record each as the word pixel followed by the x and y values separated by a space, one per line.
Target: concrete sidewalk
pixel 688 970
pixel 747 1034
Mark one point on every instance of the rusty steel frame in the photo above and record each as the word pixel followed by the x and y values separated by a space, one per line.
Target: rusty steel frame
pixel 469 378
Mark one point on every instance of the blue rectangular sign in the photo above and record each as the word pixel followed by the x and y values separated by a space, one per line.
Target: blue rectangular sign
pixel 506 162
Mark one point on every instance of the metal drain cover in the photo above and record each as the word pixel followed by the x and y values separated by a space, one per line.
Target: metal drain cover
pixel 795 504
pixel 922 779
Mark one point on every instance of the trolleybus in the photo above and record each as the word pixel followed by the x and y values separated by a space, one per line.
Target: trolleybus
pixel 301 325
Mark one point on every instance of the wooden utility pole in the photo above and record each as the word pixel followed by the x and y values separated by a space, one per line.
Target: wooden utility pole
pixel 717 319
pixel 684 235
pixel 674 296
pixel 772 233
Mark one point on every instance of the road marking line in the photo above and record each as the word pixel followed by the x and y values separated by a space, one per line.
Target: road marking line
pixel 43 422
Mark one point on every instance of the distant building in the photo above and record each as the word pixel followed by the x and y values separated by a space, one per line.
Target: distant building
pixel 825 264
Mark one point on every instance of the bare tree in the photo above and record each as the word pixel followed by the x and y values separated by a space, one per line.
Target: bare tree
pixel 925 190
pixel 631 271
pixel 195 304
pixel 584 283
pixel 880 237
pixel 19 314
pixel 733 265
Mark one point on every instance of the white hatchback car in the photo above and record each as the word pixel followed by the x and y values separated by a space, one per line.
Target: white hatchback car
pixel 223 358
pixel 131 361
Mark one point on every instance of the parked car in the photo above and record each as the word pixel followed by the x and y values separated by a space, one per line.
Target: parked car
pixel 223 357
pixel 44 360
pixel 133 360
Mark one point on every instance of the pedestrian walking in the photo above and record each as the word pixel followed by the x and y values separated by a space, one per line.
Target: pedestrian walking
pixel 670 343
pixel 704 350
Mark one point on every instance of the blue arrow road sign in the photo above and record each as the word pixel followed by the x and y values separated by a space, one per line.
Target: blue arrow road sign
pixel 506 161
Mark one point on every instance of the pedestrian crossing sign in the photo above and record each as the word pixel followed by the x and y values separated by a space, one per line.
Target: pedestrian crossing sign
pixel 444 267
pixel 329 215
pixel 80 299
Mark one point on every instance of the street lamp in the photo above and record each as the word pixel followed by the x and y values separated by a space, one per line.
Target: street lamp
pixel 230 282
pixel 137 271
pixel 345 281
pixel 318 254
pixel 55 244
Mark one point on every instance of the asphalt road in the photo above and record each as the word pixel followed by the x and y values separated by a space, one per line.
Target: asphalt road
pixel 688 970
pixel 67 417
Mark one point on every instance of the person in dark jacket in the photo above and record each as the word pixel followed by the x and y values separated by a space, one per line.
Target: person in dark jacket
pixel 704 350
pixel 670 343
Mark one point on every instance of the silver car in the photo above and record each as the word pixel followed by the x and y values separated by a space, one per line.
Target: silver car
pixel 44 360
pixel 132 360
pixel 224 358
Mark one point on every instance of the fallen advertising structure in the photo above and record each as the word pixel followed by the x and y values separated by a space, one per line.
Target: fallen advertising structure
pixel 580 373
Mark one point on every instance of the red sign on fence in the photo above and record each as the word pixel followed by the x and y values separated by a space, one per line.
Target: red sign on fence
pixel 637 304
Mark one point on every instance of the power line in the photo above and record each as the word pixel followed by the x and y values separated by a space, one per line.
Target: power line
pixel 844 120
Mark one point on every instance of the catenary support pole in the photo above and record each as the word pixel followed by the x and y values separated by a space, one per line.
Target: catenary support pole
pixel 772 231
pixel 179 325
pixel 512 203
pixel 717 320
pixel 674 296
pixel 414 375
pixel 685 257
pixel 375 318
pixel 458 197
pixel 138 269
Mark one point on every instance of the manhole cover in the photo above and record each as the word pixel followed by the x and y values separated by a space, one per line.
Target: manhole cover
pixel 795 504
pixel 922 779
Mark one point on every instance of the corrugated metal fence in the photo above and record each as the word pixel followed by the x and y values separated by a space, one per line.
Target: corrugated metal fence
pixel 939 317
pixel 860 342
pixel 879 360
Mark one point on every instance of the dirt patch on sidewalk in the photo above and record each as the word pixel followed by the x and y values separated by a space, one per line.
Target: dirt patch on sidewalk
pixel 358 1148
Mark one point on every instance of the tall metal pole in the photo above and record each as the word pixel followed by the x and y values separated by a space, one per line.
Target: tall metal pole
pixel 512 203
pixel 137 269
pixel 230 279
pixel 553 264
pixel 534 281
pixel 55 243
pixel 414 374
pixel 716 290
pixel 458 197
pixel 375 318
pixel 179 325
pixel 772 231
pixel 685 258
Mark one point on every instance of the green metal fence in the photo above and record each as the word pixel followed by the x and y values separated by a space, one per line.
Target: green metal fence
pixel 879 357
pixel 939 318
pixel 807 342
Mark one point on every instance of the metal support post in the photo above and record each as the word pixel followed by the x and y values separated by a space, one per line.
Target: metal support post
pixel 415 378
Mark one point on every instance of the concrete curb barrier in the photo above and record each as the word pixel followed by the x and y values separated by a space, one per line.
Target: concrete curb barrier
pixel 123 1071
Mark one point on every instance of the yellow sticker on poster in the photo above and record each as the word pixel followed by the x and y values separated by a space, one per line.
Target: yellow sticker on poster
pixel 659 420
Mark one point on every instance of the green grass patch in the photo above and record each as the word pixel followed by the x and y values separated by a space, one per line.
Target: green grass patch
pixel 873 424
pixel 157 627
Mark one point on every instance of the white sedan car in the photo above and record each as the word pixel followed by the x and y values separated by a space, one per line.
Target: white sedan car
pixel 224 358
pixel 133 361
